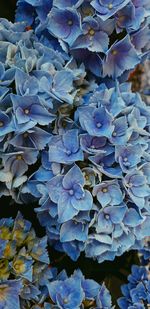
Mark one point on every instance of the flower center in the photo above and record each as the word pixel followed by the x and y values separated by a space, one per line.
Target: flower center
pixel 70 22
pixel 19 157
pixel 98 125
pixel 87 11
pixel 114 52
pixel 25 134
pixel 110 6
pixel 91 32
pixel 7 250
pixel 130 184
pixel 71 192
pixel 87 177
pixel 19 266
pixel 114 133
pixel 68 152
pixel 104 190
pixel 121 18
pixel 125 159
pixel 1 123
pixel 65 300
pixel 26 111
pixel 107 217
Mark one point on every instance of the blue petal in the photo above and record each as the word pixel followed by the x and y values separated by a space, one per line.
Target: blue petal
pixel 73 176
pixel 73 230
pixel 65 209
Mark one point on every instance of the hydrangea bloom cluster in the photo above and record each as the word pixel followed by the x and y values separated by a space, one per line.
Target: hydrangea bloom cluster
pixel 74 140
pixel 103 207
pixel 24 263
pixel 137 291
pixel 27 280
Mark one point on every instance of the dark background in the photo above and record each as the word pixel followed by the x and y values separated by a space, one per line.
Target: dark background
pixel 7 8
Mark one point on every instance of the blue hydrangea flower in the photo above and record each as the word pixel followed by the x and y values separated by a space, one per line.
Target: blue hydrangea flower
pixel 66 294
pixel 104 162
pixel 137 121
pixel 29 108
pixel 136 292
pixel 9 294
pixel 132 217
pixel 32 138
pixel 92 38
pixel 36 183
pixel 27 10
pixel 92 144
pixel 108 217
pixel 137 188
pixel 94 63
pixel 129 18
pixel 64 24
pixel 26 84
pixel 107 8
pixel 140 38
pixel 74 230
pixel 120 57
pixel 108 193
pixel 96 121
pixel 128 156
pixel 121 133
pixel 68 192
pixel 17 162
pixel 65 148
pixel 6 123
pixel 60 87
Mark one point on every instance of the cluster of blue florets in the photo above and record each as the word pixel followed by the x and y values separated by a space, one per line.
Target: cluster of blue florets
pixel 75 139
pixel 137 291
